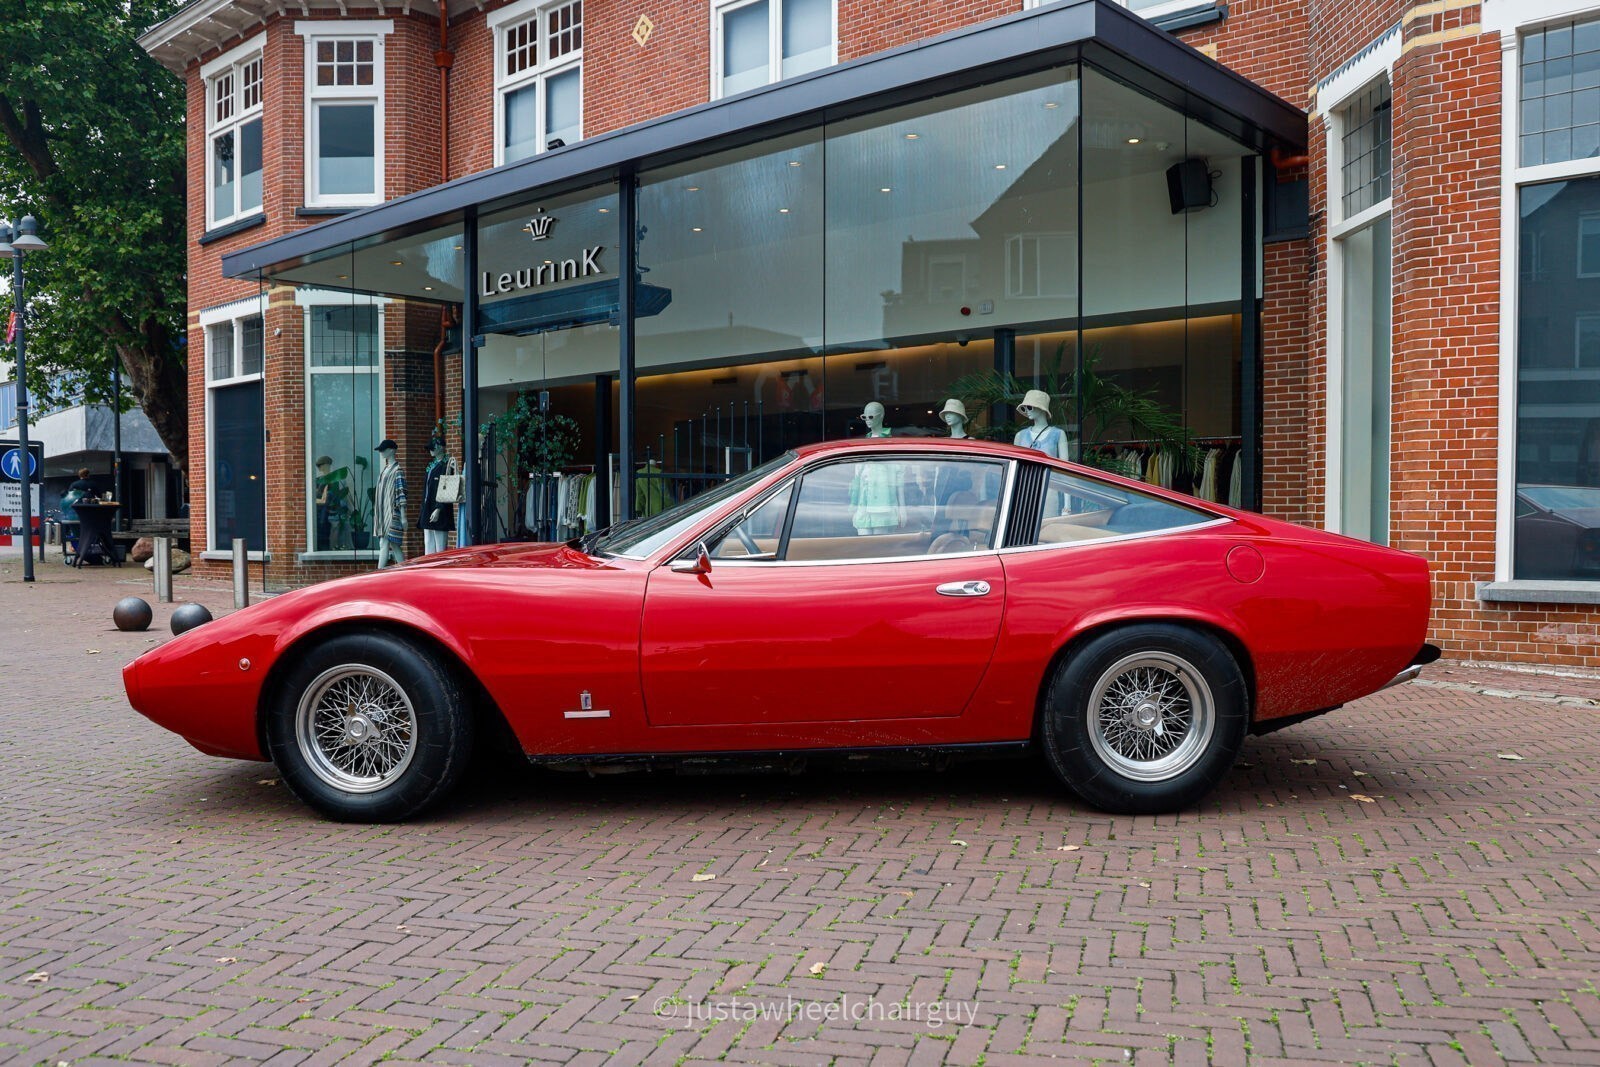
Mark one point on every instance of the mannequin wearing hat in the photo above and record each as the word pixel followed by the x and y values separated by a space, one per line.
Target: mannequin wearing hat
pixel 389 506
pixel 955 417
pixel 1039 435
pixel 435 519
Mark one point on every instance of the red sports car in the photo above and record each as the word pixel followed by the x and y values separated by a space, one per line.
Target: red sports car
pixel 889 598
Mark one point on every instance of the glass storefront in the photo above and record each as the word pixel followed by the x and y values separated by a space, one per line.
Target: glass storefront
pixel 1023 234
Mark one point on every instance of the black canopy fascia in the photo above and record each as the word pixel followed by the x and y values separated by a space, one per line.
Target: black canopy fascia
pixel 1103 33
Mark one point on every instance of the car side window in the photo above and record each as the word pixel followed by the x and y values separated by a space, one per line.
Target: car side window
pixel 895 506
pixel 1082 509
pixel 757 534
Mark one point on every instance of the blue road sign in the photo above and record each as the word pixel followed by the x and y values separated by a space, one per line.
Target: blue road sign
pixel 11 465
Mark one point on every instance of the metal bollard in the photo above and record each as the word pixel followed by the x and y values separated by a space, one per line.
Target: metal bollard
pixel 163 569
pixel 241 574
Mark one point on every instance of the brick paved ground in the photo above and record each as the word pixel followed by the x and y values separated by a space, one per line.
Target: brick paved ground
pixel 175 908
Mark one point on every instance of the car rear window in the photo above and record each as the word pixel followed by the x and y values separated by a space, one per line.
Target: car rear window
pixel 1076 509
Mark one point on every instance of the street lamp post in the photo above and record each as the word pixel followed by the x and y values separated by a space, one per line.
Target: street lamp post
pixel 14 246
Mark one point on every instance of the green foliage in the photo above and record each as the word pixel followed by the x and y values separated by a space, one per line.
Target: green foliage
pixel 1105 410
pixel 539 440
pixel 92 143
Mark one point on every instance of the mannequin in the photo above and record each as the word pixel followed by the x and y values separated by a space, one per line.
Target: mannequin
pixel 955 417
pixel 1039 435
pixel 434 519
pixel 872 415
pixel 389 506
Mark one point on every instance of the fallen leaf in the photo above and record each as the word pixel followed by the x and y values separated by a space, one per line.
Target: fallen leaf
pixel 403 929
pixel 37 977
pixel 818 968
pixel 634 997
pixel 93 652
pixel 1144 885
pixel 1068 848
pixel 1359 774
pixel 957 841
pixel 907 893
pixel 1303 762
pixel 1363 798
pixel 1508 755
pixel 266 781
pixel 227 959
pixel 703 877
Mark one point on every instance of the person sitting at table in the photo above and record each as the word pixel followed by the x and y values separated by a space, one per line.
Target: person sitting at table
pixel 77 491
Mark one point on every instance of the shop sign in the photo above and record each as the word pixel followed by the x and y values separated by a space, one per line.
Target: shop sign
pixel 550 272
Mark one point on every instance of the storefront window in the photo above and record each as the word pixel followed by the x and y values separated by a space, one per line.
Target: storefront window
pixel 1556 532
pixel 344 415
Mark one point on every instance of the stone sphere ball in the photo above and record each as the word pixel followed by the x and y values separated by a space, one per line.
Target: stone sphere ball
pixel 132 613
pixel 188 617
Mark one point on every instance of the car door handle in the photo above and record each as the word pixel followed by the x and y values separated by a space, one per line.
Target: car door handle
pixel 979 588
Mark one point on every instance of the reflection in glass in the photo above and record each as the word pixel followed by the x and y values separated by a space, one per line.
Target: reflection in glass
pixel 344 419
pixel 522 123
pixel 346 163
pixel 563 107
pixel 1556 530
pixel 807 36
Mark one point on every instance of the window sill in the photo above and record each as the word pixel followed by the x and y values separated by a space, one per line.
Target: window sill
pixel 338 555
pixel 1539 592
pixel 312 212
pixel 228 229
pixel 1189 17
pixel 225 555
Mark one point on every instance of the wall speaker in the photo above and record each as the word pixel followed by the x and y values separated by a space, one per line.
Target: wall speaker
pixel 1189 186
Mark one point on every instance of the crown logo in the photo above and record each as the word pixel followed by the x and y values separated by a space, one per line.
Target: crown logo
pixel 538 227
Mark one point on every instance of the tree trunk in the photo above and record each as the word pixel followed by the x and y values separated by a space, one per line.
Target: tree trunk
pixel 160 381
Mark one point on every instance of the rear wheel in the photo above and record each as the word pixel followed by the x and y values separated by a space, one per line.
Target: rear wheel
pixel 1146 718
pixel 370 728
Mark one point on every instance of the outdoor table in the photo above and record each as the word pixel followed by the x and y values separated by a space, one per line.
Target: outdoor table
pixel 94 530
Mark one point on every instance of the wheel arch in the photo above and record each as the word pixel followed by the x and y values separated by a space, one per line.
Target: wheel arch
pixel 1230 640
pixel 486 712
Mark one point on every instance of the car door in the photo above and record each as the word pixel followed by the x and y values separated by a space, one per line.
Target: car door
pixel 861 591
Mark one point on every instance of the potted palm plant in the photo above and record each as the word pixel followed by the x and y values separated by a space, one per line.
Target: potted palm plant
pixel 1104 408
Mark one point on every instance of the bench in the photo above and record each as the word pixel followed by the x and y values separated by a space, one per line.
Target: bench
pixel 177 529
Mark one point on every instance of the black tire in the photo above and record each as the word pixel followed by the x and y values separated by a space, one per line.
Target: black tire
pixel 400 744
pixel 1146 718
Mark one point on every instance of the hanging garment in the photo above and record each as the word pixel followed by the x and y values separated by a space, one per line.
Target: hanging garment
pixel 649 491
pixel 1236 483
pixel 389 505
pixel 1208 477
pixel 875 494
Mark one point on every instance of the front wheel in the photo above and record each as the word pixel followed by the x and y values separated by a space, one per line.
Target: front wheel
pixel 1146 718
pixel 369 728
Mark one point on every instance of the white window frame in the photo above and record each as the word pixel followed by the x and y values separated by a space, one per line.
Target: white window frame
pixel 1511 19
pixel 719 8
pixel 233 63
pixel 539 73
pixel 1334 94
pixel 376 31
pixel 1016 245
pixel 234 313
pixel 308 301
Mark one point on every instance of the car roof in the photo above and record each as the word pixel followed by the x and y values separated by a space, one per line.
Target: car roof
pixel 969 445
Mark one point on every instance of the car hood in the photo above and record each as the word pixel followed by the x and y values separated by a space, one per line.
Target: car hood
pixel 517 554
pixel 1588 518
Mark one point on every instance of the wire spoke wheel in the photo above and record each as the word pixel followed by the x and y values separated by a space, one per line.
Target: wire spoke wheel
pixel 356 729
pixel 1151 716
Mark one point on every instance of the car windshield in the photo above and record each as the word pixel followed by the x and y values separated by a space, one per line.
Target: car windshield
pixel 638 538
pixel 1560 497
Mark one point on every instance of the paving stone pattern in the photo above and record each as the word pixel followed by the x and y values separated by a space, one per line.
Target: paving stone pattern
pixel 160 906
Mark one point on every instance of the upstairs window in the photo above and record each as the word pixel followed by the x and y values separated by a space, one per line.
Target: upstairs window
pixel 538 78
pixel 1560 93
pixel 1367 139
pixel 757 42
pixel 233 132
pixel 344 111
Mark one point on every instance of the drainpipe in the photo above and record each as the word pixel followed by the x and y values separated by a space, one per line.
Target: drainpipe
pixel 444 59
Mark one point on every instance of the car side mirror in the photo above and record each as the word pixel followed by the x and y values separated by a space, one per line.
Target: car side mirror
pixel 699 564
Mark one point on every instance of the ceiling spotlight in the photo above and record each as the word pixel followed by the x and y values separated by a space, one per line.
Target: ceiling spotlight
pixel 783 211
pixel 885 189
pixel 1051 105
pixel 344 277
pixel 794 162
pixel 1133 140
pixel 912 136
pixel 694 188
pixel 397 263
pixel 696 229
pixel 458 248
pixel 605 211
pixel 429 288
pixel 999 166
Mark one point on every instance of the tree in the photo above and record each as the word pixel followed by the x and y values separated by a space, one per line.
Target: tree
pixel 92 142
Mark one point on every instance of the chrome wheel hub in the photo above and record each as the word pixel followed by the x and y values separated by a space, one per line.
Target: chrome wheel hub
pixel 356 729
pixel 1151 716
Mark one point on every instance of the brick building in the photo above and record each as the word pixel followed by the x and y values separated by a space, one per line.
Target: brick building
pixel 1372 315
